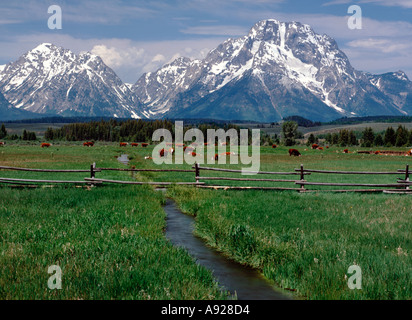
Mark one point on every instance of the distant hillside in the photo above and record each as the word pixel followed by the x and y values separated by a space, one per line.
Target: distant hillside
pixel 383 119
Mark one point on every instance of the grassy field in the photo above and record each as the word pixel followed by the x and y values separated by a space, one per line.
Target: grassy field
pixel 306 242
pixel 110 243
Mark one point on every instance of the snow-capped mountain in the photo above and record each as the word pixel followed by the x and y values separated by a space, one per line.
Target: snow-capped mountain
pixel 397 87
pixel 53 80
pixel 278 69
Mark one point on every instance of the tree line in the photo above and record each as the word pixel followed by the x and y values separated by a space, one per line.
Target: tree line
pixel 127 131
pixel 400 137
pixel 27 135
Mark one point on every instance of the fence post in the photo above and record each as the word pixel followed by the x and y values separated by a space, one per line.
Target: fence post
pixel 302 177
pixel 92 172
pixel 197 174
pixel 407 176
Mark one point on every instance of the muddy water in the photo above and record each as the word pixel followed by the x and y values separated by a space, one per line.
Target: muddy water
pixel 246 283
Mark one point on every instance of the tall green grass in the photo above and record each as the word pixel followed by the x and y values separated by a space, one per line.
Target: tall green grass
pixel 306 242
pixel 108 241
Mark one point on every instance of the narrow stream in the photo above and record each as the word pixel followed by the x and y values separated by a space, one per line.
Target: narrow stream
pixel 247 283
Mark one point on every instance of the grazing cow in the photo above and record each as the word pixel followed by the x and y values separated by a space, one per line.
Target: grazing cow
pixel 144 145
pixel 163 153
pixel 320 148
pixel 274 146
pixel 315 146
pixel 227 153
pixel 88 144
pixel 45 145
pixel 188 149
pixel 294 152
pixel 123 144
pixel 134 144
pixel 346 151
pixel 2 143
pixel 377 152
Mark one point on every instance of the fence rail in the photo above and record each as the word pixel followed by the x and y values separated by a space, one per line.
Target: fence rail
pixel 401 185
pixel 46 170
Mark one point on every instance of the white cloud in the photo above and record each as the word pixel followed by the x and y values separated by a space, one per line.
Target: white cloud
pixel 159 58
pixel 116 57
pixel 129 59
pixel 382 45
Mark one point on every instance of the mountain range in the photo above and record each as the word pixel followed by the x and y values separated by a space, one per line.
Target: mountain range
pixel 277 70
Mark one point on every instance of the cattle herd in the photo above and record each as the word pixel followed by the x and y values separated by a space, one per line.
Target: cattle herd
pixel 190 150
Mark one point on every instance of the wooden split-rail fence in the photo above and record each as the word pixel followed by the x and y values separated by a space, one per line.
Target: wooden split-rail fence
pixel 298 178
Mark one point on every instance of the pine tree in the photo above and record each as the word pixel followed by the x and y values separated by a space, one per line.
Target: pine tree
pixel 390 137
pixel 311 139
pixel 335 138
pixel 402 136
pixel 290 131
pixel 368 137
pixel 378 140
pixel 353 141
pixel 3 131
pixel 24 135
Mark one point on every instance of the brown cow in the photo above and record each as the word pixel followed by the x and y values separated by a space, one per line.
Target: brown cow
pixel 346 151
pixel 134 144
pixel 88 144
pixel 294 152
pixel 163 153
pixel 320 148
pixel 315 146
pixel 188 149
pixel 274 146
pixel 2 143
pixel 123 144
pixel 144 145
pixel 45 145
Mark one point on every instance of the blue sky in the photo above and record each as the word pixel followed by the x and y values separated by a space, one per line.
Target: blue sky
pixel 134 37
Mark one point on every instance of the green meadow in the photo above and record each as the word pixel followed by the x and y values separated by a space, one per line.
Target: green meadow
pixel 109 240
